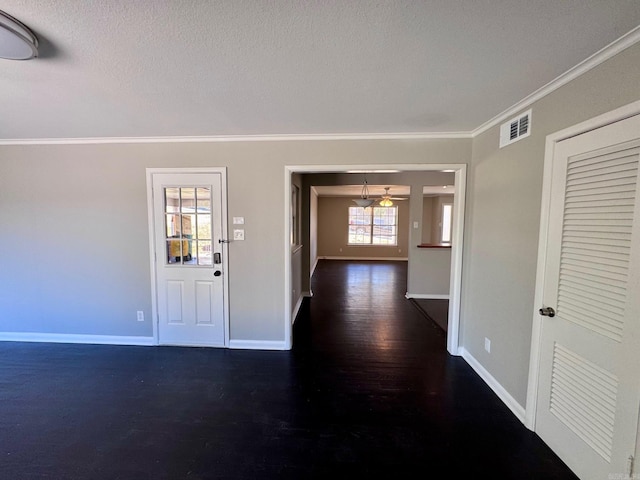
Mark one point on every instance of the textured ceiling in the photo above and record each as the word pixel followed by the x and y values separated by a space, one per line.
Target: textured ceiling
pixel 140 68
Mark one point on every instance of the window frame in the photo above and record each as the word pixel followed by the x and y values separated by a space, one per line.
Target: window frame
pixel 371 225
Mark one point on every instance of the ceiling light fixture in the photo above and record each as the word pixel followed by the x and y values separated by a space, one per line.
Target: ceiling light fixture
pixel 17 42
pixel 364 201
pixel 386 199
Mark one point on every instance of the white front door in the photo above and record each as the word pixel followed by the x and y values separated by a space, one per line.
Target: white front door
pixel 189 258
pixel 589 384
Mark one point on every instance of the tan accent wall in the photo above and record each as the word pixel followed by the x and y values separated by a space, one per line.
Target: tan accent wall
pixel 333 222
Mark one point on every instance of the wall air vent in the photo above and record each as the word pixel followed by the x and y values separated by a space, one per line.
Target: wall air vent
pixel 515 129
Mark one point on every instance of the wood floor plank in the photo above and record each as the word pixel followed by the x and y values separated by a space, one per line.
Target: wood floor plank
pixel 368 391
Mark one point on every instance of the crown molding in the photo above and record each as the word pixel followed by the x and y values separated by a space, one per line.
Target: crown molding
pixel 627 40
pixel 237 138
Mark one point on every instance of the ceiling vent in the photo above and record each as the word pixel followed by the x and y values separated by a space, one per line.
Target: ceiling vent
pixel 515 129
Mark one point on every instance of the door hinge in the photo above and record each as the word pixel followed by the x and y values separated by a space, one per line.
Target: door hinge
pixel 630 465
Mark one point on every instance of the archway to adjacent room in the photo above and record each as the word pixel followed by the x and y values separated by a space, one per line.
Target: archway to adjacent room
pixel 457 231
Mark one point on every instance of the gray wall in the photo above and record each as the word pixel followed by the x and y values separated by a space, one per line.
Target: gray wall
pixel 503 215
pixel 427 214
pixel 73 222
pixel 75 219
pixel 431 272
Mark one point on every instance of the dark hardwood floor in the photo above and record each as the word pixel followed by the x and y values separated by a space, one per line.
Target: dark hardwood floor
pixel 367 392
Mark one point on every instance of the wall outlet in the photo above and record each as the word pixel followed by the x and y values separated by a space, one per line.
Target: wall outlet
pixel 140 315
pixel 415 224
pixel 487 345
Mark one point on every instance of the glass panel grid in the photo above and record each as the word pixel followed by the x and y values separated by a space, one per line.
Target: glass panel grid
pixel 373 226
pixel 188 225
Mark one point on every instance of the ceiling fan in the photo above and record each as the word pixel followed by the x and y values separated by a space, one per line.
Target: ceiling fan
pixel 386 198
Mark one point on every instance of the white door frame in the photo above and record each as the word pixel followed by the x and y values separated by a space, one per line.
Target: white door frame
pixel 152 248
pixel 534 362
pixel 455 286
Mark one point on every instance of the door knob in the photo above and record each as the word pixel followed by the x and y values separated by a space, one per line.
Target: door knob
pixel 547 312
pixel 217 273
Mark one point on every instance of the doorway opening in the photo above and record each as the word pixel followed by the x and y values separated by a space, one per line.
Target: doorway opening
pixel 294 272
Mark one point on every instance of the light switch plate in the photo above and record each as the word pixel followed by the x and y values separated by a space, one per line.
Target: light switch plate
pixel 238 220
pixel 238 234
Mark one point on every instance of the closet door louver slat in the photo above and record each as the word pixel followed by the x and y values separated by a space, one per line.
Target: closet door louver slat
pixel 596 240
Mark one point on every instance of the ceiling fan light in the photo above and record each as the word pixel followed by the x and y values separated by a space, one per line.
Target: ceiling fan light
pixel 17 42
pixel 385 202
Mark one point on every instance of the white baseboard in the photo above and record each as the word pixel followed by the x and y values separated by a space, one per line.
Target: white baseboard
pixel 313 269
pixel 307 294
pixel 427 296
pixel 257 345
pixel 75 338
pixel 517 409
pixel 382 259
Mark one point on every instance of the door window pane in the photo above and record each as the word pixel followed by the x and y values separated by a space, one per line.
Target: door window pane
pixel 204 252
pixel 188 197
pixel 204 227
pixel 172 200
pixel 188 225
pixel 203 200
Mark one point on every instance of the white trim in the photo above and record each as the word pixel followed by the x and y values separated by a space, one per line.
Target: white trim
pixel 257 345
pixel 551 141
pixel 288 323
pixel 455 279
pixel 426 296
pixel 313 269
pixel 75 338
pixel 497 388
pixel 222 171
pixel 367 259
pixel 627 40
pixel 455 285
pixel 307 294
pixel 373 168
pixel 238 138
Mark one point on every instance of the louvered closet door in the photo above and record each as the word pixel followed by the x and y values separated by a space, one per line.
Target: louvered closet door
pixel 589 389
